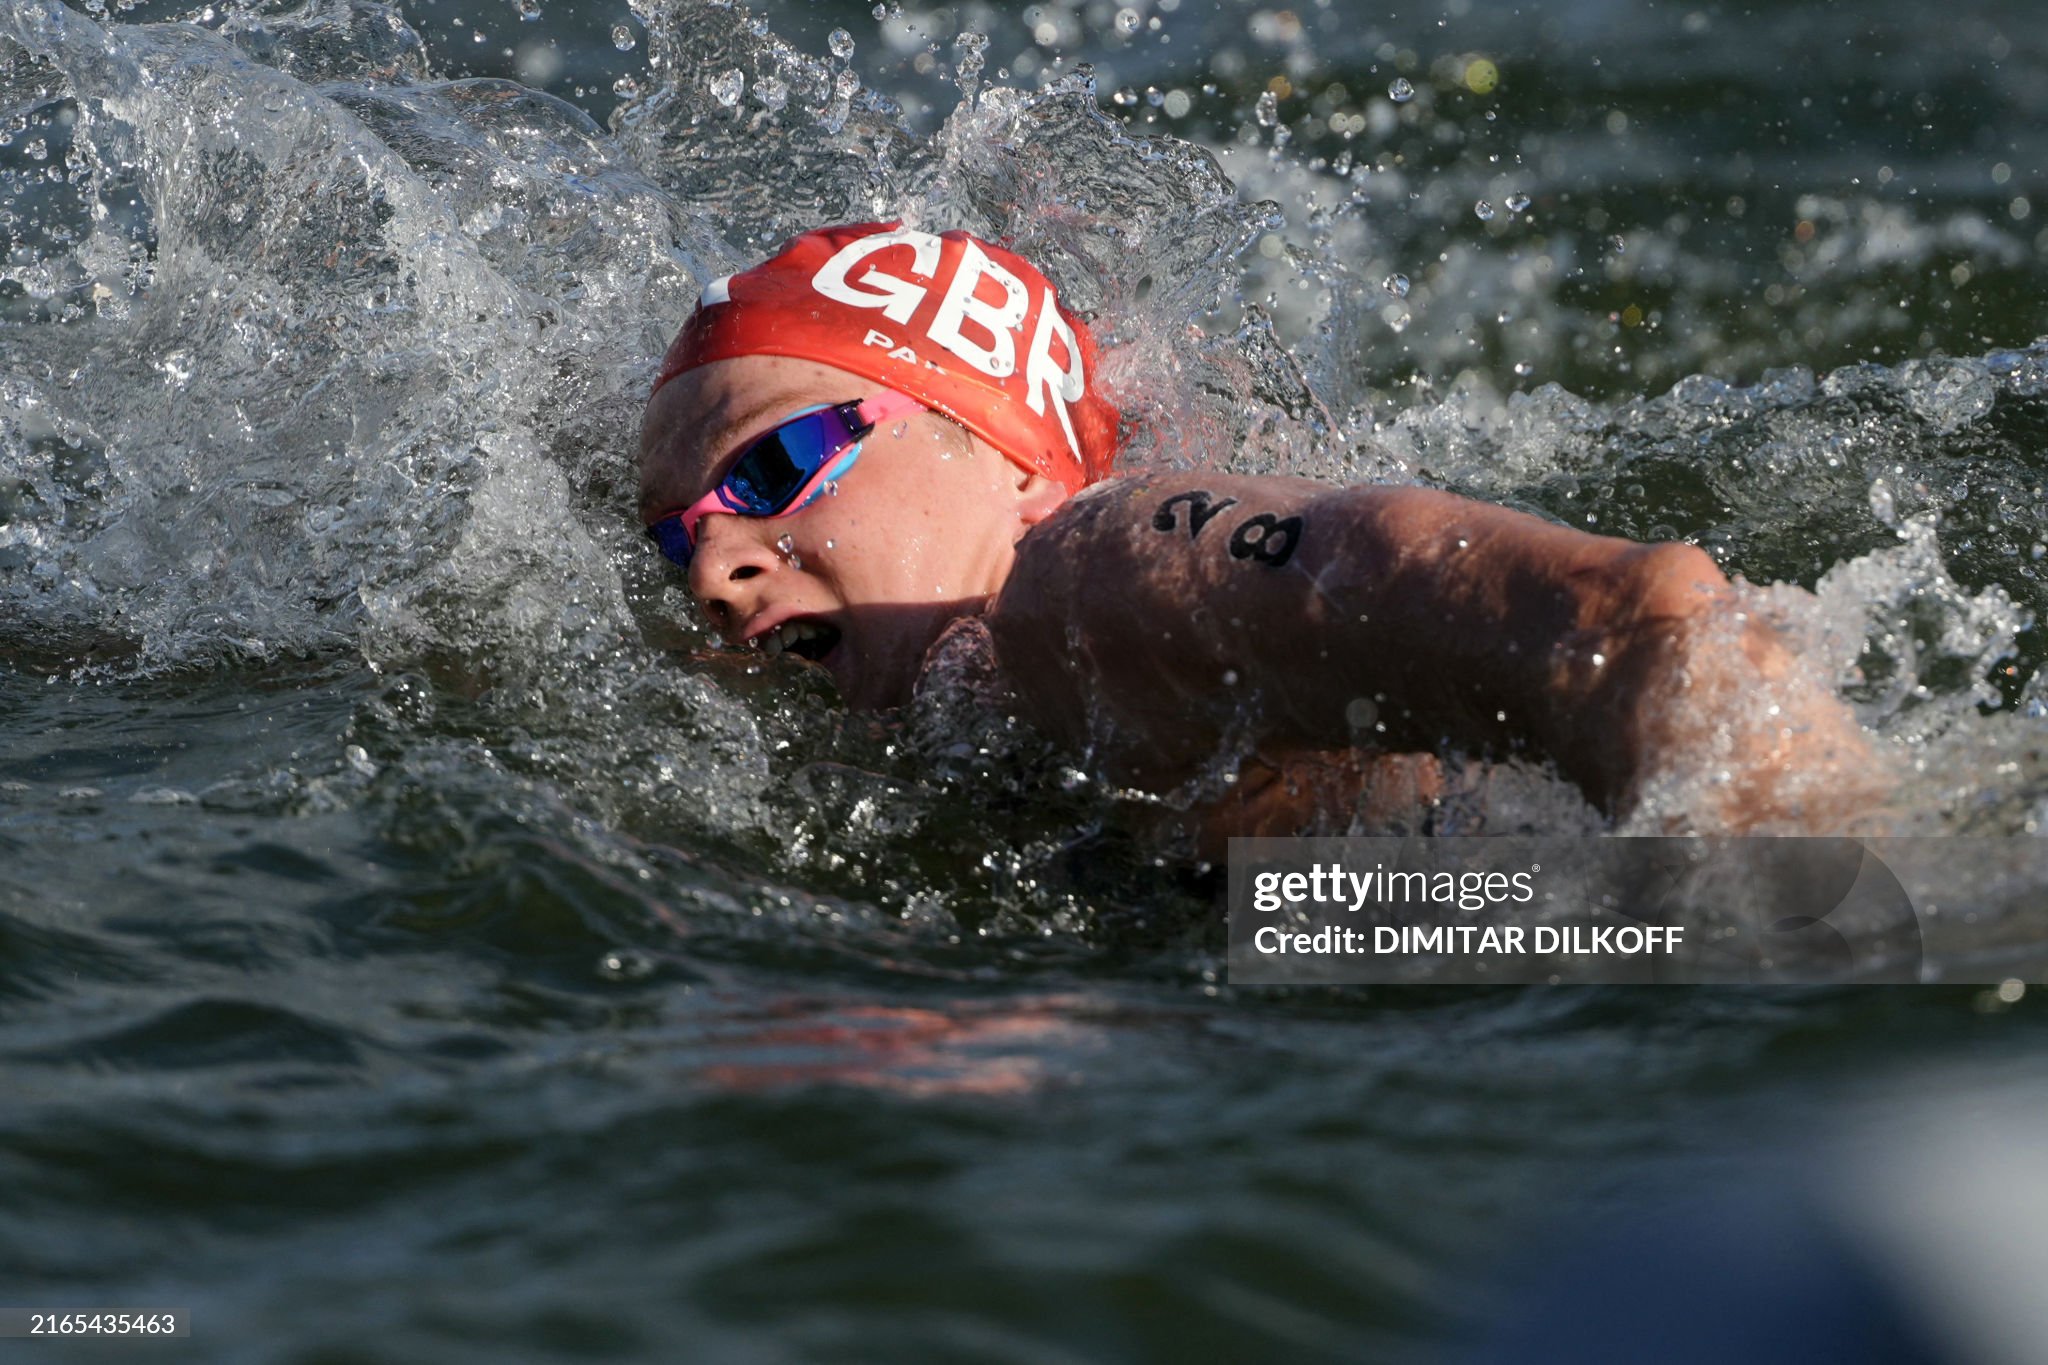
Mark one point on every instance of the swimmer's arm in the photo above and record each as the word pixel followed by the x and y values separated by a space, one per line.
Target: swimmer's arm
pixel 1279 793
pixel 1155 612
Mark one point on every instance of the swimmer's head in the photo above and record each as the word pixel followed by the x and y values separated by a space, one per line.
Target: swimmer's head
pixel 995 423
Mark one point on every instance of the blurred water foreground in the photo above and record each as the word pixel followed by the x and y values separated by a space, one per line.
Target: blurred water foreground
pixel 399 945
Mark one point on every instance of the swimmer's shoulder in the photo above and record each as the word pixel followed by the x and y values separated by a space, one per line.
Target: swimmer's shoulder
pixel 1135 587
pixel 1150 539
pixel 1135 510
pixel 1121 631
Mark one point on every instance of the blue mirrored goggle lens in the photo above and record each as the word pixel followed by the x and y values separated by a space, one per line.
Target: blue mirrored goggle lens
pixel 673 540
pixel 771 471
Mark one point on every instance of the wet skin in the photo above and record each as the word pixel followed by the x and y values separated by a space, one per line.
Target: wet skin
pixel 1144 620
pixel 1428 620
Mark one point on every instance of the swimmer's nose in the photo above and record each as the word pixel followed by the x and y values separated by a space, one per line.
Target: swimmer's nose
pixel 729 571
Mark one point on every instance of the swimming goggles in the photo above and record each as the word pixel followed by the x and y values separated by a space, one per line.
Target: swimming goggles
pixel 782 472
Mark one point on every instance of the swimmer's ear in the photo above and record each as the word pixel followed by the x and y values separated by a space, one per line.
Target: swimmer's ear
pixel 1037 497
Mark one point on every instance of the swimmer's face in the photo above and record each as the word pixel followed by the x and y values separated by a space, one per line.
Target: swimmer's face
pixel 921 530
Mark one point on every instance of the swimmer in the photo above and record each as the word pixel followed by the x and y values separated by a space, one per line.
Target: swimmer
pixel 881 437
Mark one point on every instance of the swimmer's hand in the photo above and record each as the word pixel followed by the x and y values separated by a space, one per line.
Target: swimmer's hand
pixel 1153 619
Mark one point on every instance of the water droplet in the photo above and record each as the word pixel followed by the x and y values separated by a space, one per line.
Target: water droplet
pixel 625 87
pixel 1267 109
pixel 1524 369
pixel 622 38
pixel 1154 96
pixel 1126 21
pixel 771 92
pixel 831 544
pixel 831 489
pixel 726 89
pixel 624 964
pixel 899 429
pixel 529 10
pixel 1401 91
pixel 38 150
pixel 880 12
pixel 1397 285
pixel 973 48
pixel 841 43
pixel 1518 203
pixel 846 85
pixel 787 546
pixel 1618 244
pixel 1485 211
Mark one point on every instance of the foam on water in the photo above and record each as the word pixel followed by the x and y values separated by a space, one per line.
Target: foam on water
pixel 308 352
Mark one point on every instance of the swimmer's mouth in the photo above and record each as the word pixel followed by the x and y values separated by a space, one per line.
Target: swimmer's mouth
pixel 809 639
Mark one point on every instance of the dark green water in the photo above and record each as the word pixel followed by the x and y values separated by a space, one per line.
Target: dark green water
pixel 409 952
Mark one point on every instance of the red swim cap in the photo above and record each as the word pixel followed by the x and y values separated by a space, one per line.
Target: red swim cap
pixel 966 328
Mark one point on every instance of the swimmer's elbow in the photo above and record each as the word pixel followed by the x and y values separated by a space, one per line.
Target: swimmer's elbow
pixel 1673 580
